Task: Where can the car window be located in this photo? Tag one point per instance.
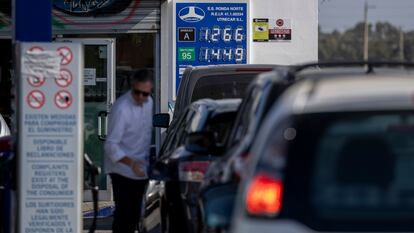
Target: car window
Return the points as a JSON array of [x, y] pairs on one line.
[[364, 168], [246, 114], [220, 125], [347, 171], [194, 123], [183, 128], [197, 121], [240, 124], [175, 132], [257, 104], [272, 95], [221, 86], [166, 146]]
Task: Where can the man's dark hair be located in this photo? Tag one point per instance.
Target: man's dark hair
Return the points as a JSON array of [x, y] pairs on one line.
[[142, 76]]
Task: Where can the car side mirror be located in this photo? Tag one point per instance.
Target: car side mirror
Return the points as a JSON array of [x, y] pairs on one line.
[[161, 120], [200, 142]]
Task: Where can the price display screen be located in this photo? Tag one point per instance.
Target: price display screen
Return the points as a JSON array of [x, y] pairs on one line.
[[209, 33]]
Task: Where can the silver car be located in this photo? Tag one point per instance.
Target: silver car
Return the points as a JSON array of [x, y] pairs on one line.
[[336, 154], [4, 129]]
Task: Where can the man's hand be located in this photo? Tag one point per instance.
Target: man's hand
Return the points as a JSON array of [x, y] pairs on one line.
[[137, 168]]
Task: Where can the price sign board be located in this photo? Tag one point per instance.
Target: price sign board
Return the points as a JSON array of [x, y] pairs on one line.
[[208, 33]]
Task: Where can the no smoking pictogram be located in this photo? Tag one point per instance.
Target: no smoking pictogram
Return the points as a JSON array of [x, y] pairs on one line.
[[65, 78], [36, 49], [36, 81], [36, 99], [63, 99], [280, 22], [66, 55]]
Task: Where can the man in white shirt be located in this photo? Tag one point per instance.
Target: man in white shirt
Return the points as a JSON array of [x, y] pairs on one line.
[[127, 150]]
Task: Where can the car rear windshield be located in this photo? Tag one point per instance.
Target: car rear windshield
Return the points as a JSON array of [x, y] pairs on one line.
[[352, 172], [221, 125], [222, 86]]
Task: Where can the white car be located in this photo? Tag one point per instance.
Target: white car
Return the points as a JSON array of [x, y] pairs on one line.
[[4, 129], [336, 154]]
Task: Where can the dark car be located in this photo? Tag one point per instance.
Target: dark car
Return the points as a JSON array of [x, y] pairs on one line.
[[215, 82], [220, 184], [334, 154], [195, 139]]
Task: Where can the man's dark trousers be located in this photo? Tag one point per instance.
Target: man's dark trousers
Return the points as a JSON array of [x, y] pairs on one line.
[[128, 198]]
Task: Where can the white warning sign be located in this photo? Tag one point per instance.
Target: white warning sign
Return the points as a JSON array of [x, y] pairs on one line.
[[50, 137]]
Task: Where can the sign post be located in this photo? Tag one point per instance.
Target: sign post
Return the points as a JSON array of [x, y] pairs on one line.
[[32, 20], [50, 137]]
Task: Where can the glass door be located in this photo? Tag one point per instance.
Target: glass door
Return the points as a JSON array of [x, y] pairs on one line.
[[99, 84]]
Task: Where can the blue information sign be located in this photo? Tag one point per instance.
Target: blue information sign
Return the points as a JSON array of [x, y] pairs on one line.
[[210, 33]]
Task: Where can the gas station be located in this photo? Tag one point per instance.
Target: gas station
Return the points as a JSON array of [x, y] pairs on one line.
[[72, 61]]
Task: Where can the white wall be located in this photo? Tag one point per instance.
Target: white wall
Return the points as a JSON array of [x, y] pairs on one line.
[[302, 48], [304, 21]]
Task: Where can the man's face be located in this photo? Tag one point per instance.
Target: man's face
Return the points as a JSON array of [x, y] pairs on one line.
[[141, 91]]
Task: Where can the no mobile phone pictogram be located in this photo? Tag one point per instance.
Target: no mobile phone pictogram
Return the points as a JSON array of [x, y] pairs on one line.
[[63, 99], [65, 78], [66, 55], [36, 99], [36, 81]]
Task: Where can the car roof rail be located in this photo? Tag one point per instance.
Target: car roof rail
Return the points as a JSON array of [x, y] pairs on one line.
[[368, 64]]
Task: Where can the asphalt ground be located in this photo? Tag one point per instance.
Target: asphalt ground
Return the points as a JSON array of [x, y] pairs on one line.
[[104, 224]]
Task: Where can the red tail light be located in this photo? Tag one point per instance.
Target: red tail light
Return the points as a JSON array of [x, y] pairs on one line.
[[193, 171], [264, 196]]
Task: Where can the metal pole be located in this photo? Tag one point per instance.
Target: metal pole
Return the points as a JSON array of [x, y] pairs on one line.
[[401, 45], [366, 31], [157, 58]]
